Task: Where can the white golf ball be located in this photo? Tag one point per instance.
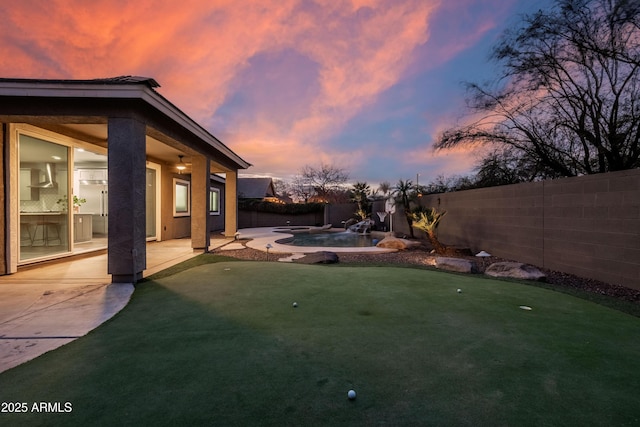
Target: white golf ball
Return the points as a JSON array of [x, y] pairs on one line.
[[459, 291], [295, 304], [351, 394]]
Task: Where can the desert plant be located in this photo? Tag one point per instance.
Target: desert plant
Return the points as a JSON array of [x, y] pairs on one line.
[[428, 220], [361, 215]]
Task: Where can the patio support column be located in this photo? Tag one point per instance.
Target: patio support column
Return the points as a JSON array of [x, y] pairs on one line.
[[127, 184], [200, 234], [231, 204]]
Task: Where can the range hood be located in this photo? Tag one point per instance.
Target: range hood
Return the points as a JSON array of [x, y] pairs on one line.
[[49, 177]]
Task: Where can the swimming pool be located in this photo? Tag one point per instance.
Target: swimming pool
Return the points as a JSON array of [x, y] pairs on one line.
[[345, 239]]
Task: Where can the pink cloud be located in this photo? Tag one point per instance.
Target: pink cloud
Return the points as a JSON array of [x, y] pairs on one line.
[[198, 51]]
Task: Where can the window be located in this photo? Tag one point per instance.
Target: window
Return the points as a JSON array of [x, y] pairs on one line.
[[214, 201], [181, 199]]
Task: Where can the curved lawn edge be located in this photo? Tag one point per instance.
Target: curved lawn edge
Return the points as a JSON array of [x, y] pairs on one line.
[[624, 306]]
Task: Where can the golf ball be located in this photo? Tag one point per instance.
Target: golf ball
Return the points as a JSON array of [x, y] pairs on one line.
[[351, 394], [295, 304], [459, 291]]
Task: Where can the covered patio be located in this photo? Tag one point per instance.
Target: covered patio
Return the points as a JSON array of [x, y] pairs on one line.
[[137, 132]]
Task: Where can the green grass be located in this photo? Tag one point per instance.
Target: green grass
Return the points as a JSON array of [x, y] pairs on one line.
[[221, 344]]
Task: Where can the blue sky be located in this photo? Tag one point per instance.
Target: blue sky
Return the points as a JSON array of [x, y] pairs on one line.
[[366, 85]]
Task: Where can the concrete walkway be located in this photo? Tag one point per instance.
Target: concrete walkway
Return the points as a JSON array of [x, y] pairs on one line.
[[47, 306]]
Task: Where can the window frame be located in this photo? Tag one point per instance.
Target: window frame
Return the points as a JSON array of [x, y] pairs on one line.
[[212, 191], [176, 184]]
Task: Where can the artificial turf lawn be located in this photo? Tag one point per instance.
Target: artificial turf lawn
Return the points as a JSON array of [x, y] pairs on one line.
[[221, 344]]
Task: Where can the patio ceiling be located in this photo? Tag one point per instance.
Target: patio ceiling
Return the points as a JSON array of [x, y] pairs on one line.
[[164, 152]]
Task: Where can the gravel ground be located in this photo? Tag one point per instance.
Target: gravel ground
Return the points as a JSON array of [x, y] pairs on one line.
[[421, 256]]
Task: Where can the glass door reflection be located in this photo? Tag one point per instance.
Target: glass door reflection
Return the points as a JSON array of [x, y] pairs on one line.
[[44, 198]]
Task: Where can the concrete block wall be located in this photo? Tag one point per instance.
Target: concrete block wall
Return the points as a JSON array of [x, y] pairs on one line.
[[592, 226], [251, 219], [334, 214], [588, 226]]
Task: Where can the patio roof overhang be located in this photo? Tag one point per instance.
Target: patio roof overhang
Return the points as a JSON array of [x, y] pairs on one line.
[[81, 108]]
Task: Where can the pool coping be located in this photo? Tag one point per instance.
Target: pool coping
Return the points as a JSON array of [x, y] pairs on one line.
[[260, 237]]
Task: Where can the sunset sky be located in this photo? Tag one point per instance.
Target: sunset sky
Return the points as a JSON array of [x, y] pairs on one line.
[[366, 85]]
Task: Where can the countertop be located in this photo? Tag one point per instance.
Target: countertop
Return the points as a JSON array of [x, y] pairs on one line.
[[42, 213]]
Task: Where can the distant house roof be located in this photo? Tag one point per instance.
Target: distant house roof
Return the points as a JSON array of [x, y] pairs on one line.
[[255, 188]]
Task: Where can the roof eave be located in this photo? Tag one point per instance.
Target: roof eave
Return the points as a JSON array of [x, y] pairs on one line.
[[109, 88]]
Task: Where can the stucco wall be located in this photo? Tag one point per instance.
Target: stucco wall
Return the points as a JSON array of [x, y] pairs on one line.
[[172, 227], [588, 226]]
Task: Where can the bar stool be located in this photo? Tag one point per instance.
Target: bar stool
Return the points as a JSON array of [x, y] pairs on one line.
[[35, 241], [48, 227], [26, 239]]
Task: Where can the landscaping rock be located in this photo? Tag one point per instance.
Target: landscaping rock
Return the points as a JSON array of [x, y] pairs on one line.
[[324, 257], [391, 242], [455, 264], [515, 270]]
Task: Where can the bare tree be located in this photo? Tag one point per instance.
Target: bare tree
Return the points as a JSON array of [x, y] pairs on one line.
[[301, 188], [282, 188], [568, 101], [326, 180]]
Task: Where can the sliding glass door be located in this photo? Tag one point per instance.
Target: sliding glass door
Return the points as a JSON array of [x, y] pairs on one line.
[[91, 214], [44, 198]]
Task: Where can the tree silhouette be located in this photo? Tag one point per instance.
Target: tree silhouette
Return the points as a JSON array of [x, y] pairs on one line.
[[568, 101]]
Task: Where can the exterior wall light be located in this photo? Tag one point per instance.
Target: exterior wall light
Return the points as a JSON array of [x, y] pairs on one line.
[[181, 166]]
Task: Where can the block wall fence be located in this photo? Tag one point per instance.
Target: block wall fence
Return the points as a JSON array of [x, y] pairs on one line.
[[588, 226], [333, 214]]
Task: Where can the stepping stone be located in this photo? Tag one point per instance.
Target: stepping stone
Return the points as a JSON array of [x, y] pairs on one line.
[[291, 258], [515, 270], [324, 257], [455, 264], [233, 247]]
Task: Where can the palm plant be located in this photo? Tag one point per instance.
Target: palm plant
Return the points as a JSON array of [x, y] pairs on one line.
[[385, 189], [361, 192], [403, 193], [428, 220]]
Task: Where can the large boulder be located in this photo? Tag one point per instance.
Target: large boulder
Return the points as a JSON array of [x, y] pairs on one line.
[[324, 257], [392, 242], [515, 270], [459, 265]]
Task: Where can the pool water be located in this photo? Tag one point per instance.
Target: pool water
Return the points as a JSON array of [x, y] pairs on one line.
[[344, 239]]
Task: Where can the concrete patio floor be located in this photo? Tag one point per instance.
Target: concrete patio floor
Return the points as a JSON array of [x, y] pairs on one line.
[[46, 306]]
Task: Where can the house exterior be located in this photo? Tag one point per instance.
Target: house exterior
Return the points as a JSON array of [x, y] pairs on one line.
[[257, 189], [106, 164]]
